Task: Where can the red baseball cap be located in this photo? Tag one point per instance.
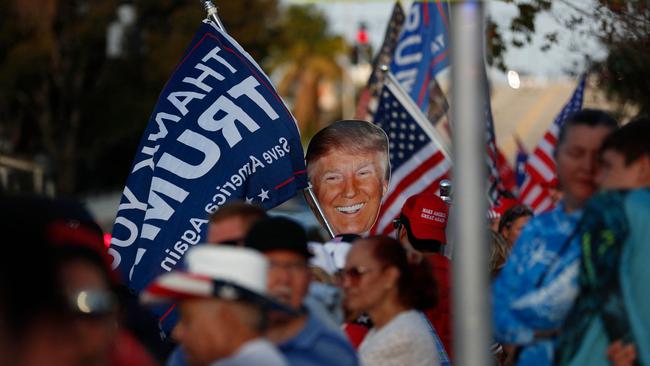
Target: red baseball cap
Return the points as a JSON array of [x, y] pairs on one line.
[[503, 205], [427, 215]]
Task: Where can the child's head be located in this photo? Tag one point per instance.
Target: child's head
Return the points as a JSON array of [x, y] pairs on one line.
[[625, 157]]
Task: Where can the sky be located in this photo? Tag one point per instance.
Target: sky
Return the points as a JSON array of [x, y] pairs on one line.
[[345, 16]]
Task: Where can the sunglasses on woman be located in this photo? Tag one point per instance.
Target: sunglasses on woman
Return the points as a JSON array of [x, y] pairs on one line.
[[354, 274]]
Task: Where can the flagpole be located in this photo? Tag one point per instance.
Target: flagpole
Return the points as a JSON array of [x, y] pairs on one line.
[[211, 9], [413, 109], [310, 196], [471, 305]]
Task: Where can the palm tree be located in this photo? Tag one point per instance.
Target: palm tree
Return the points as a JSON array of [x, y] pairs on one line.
[[306, 55]]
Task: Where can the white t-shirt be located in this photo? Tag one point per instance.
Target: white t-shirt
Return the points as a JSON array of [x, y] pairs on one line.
[[405, 340]]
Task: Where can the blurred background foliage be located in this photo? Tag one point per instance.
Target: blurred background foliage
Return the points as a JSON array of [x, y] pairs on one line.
[[621, 26], [70, 104], [81, 111]]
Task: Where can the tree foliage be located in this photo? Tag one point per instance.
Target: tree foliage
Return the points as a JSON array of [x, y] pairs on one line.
[[625, 31], [48, 66], [307, 53], [622, 28], [63, 98]]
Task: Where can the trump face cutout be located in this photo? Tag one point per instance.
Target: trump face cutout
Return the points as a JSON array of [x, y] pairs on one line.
[[348, 168]]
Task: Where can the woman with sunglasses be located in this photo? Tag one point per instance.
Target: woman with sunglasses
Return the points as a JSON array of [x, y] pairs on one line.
[[378, 279]]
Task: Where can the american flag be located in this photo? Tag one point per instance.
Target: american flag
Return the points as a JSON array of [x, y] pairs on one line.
[[422, 51], [418, 159], [494, 182], [540, 167], [506, 173], [520, 163]]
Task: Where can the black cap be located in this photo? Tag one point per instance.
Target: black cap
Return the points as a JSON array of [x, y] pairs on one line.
[[278, 233]]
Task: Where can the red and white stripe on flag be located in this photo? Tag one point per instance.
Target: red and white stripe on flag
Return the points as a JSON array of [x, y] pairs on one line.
[[535, 195], [540, 167], [423, 172], [418, 159], [506, 173], [540, 170]]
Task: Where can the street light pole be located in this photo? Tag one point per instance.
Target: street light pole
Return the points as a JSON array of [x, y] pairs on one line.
[[471, 311]]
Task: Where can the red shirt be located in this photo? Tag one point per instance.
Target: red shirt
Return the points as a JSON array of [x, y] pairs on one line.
[[440, 316], [356, 333]]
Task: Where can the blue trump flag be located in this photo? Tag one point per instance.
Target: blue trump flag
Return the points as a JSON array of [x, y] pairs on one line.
[[422, 49], [219, 132]]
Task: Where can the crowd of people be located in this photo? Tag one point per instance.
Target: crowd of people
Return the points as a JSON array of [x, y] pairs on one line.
[[567, 285], [541, 295]]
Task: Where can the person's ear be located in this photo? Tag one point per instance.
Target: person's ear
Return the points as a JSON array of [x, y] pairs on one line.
[[384, 186], [644, 170], [392, 275]]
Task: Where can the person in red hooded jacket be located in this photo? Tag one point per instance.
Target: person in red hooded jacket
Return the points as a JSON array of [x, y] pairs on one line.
[[421, 229]]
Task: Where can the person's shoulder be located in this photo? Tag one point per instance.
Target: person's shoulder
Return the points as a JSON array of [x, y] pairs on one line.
[[256, 352], [408, 332], [407, 324], [636, 207], [441, 268], [540, 220], [327, 345], [638, 199], [534, 229], [535, 235], [541, 224], [323, 333]]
